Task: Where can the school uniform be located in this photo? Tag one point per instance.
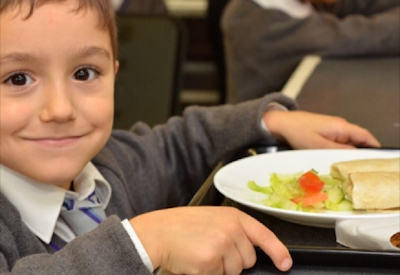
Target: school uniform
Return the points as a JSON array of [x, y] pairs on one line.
[[136, 172]]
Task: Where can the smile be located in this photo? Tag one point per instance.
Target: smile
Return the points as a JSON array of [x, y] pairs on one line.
[[56, 141]]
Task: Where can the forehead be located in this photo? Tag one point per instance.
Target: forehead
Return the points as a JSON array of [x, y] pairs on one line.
[[26, 8], [24, 11], [54, 24]]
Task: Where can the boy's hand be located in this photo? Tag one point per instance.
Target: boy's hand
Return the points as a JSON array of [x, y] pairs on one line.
[[303, 130], [206, 240]]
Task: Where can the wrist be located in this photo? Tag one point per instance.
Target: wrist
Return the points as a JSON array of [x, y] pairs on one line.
[[272, 121], [138, 244], [148, 240]]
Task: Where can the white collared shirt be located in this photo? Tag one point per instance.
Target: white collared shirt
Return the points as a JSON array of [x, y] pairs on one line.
[[40, 211], [293, 8]]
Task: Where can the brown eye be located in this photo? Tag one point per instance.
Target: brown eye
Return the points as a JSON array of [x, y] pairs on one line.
[[19, 79], [85, 74]]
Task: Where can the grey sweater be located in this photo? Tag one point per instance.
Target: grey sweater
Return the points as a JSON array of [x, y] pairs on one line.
[[264, 46], [148, 169]]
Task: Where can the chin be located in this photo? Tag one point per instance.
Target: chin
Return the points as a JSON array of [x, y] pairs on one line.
[[59, 175]]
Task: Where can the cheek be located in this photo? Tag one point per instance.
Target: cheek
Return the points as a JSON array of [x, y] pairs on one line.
[[100, 111], [14, 116], [100, 115]]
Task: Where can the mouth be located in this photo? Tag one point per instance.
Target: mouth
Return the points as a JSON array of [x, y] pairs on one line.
[[56, 141]]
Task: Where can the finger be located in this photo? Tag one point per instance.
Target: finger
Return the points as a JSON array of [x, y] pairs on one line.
[[315, 141], [219, 255], [246, 250], [207, 263], [242, 244], [261, 236], [326, 143], [232, 262], [349, 139], [342, 138], [238, 251], [349, 133], [361, 136], [215, 270]]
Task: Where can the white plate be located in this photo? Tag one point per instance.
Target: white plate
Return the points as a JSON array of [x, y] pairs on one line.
[[231, 180]]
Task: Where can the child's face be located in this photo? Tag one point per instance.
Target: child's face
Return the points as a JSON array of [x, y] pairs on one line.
[[56, 95]]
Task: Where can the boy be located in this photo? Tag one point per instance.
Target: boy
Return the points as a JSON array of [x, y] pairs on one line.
[[57, 68]]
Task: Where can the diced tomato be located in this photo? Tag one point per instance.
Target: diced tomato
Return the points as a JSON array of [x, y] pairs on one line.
[[310, 182], [311, 199]]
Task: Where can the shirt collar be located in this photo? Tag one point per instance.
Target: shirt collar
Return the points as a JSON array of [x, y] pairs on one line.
[[39, 204]]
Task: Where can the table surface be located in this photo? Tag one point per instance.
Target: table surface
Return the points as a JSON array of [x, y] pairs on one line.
[[314, 250], [365, 91]]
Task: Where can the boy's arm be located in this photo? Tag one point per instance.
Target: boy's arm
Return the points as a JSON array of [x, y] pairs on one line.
[[171, 161], [105, 250]]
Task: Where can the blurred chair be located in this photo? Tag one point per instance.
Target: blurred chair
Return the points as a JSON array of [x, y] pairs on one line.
[[143, 7], [214, 14], [151, 53]]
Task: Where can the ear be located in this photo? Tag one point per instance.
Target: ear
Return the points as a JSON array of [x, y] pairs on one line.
[[116, 67]]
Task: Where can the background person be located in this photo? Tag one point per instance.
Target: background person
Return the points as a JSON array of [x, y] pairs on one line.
[[140, 7], [266, 39]]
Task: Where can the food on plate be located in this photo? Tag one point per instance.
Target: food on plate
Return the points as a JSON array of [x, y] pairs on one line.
[[370, 183], [341, 170], [303, 192], [374, 190], [395, 240], [367, 184]]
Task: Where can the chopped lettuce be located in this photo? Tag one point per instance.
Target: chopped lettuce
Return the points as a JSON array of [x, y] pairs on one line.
[[285, 187]]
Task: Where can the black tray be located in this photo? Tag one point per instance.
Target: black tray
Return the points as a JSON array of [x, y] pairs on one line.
[[314, 250]]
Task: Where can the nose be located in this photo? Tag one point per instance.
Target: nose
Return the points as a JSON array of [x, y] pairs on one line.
[[58, 105]]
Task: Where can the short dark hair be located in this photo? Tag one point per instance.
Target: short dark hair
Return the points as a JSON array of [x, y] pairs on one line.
[[103, 8]]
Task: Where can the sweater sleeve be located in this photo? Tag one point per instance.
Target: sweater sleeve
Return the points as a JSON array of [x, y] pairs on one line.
[[169, 162], [105, 250], [152, 169]]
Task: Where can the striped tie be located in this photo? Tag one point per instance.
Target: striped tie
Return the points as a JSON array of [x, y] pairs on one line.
[[82, 216]]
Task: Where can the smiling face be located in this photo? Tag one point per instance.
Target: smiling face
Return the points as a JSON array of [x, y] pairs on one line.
[[56, 96]]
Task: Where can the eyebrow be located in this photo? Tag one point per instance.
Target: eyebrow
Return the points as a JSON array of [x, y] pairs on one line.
[[94, 50], [83, 52], [17, 57]]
